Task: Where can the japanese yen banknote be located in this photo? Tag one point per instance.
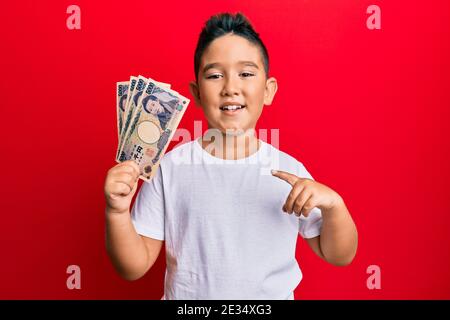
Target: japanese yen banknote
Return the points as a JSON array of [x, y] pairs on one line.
[[148, 113]]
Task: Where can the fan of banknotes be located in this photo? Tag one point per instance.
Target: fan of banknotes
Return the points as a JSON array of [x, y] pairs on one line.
[[148, 113]]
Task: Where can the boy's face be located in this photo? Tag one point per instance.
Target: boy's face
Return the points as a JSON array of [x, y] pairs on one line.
[[232, 74]]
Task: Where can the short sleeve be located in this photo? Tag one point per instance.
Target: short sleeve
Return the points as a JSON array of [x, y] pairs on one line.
[[311, 226], [147, 214]]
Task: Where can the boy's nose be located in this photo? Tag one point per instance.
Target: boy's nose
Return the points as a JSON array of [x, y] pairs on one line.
[[230, 88]]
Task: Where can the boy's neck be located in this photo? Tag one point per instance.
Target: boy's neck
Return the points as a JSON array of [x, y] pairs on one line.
[[231, 147]]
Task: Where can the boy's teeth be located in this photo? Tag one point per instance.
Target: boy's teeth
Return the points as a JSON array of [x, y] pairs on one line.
[[231, 107]]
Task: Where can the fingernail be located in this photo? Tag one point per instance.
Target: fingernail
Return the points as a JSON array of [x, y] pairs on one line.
[[273, 171]]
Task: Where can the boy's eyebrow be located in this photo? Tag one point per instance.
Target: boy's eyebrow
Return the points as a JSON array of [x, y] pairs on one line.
[[249, 63], [210, 66], [216, 64]]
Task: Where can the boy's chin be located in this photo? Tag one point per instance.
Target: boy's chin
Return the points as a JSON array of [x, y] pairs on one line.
[[229, 129], [235, 132]]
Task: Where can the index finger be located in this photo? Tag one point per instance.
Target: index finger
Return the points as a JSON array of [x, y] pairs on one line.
[[286, 176]]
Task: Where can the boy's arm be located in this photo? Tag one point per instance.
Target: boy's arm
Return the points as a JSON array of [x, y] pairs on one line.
[[131, 254], [338, 240]]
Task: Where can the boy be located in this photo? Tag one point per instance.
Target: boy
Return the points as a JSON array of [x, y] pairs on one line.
[[223, 221]]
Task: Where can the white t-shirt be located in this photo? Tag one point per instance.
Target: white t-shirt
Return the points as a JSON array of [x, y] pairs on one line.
[[226, 235]]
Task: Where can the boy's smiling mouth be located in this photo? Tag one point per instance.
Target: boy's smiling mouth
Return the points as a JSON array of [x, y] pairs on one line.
[[231, 107]]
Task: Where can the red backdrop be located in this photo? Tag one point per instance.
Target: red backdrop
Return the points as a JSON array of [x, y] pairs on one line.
[[366, 111]]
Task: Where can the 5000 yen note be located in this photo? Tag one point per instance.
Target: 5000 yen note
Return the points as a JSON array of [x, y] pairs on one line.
[[121, 99], [133, 100], [153, 126]]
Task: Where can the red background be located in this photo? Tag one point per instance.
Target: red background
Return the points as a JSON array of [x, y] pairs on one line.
[[366, 111]]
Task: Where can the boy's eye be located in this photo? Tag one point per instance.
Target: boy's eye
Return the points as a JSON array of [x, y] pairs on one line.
[[247, 74], [213, 76]]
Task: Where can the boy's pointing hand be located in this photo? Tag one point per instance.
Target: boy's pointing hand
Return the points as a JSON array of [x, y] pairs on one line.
[[307, 194]]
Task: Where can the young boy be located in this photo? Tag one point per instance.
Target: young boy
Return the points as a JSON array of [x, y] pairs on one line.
[[230, 229]]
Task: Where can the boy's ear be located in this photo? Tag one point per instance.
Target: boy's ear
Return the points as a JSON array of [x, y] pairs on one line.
[[271, 89], [193, 88]]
